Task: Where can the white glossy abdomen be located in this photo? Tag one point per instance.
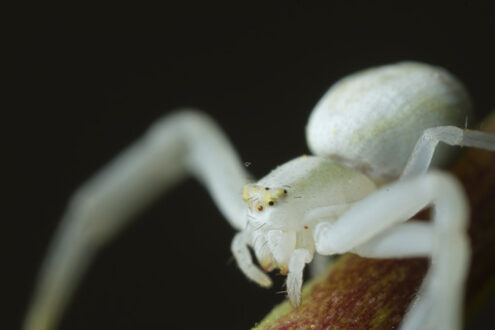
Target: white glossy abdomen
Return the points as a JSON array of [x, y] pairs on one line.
[[371, 120]]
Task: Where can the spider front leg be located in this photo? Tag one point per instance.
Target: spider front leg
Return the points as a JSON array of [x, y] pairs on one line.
[[182, 144], [374, 227], [243, 257]]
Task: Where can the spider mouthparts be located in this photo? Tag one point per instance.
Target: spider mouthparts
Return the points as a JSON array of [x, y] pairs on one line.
[[266, 265]]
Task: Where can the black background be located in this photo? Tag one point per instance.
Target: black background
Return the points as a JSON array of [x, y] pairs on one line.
[[83, 82]]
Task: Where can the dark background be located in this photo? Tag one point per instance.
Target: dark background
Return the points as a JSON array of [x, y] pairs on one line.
[[85, 82]]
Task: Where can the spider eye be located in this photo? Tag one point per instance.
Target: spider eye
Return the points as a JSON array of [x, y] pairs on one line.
[[267, 188], [271, 203], [285, 191]]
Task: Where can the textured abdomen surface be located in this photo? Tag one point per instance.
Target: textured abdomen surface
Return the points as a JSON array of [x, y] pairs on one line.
[[371, 120]]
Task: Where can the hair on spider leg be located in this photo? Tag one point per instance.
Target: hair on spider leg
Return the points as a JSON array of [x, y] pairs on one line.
[[246, 226], [264, 244], [256, 240], [260, 226], [262, 247], [248, 222]]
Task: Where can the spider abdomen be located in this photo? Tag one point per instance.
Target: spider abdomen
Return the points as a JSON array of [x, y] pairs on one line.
[[371, 120]]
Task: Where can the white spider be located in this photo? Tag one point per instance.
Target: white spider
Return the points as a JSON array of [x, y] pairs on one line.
[[363, 133]]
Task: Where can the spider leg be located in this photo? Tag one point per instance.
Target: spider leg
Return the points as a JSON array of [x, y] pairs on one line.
[[186, 143], [298, 260], [374, 227], [320, 263], [405, 240], [243, 257], [420, 159]]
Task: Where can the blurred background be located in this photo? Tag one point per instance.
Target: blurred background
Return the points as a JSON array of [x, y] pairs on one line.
[[84, 82]]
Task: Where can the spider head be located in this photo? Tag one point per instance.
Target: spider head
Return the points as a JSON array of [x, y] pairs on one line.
[[269, 236], [260, 198]]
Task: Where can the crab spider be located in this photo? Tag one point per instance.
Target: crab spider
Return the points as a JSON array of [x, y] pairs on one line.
[[370, 129]]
